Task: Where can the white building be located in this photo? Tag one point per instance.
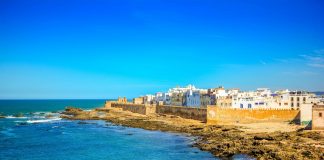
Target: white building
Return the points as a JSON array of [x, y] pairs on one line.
[[216, 93], [192, 98], [233, 91], [149, 99], [294, 99], [165, 98], [159, 97], [263, 92], [186, 96], [261, 98]]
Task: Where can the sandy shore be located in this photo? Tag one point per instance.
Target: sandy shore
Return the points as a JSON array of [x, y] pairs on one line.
[[260, 140]]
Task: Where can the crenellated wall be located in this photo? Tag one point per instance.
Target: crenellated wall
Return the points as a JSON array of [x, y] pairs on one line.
[[217, 115], [184, 112]]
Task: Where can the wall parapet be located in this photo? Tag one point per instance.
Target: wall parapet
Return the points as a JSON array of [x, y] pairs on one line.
[[266, 109]]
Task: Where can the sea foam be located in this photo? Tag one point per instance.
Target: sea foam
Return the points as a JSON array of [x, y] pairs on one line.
[[43, 120], [13, 117]]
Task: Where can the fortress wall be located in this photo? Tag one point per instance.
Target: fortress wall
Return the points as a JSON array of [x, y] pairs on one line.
[[184, 112], [217, 115], [135, 108], [213, 114]]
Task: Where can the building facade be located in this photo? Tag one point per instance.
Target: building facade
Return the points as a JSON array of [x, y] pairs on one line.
[[294, 99], [225, 102], [191, 98], [138, 100], [177, 99], [149, 99], [205, 100], [318, 117], [163, 98]]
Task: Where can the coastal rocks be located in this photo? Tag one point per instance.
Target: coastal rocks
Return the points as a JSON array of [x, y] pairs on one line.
[[49, 116], [263, 137], [77, 113], [72, 111]]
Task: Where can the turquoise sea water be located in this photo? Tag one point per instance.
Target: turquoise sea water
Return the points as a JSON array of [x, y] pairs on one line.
[[37, 136], [24, 106]]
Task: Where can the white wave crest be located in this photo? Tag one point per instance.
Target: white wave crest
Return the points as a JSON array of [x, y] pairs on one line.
[[43, 120], [13, 117]]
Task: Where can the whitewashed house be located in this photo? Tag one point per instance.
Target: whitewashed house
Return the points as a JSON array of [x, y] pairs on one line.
[[163, 98], [192, 98], [149, 99]]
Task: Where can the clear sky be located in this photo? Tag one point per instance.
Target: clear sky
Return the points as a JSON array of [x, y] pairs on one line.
[[107, 48]]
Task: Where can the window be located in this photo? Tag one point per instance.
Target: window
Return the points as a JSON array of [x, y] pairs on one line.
[[241, 105], [279, 104], [297, 104], [304, 99], [298, 99], [320, 114], [292, 99], [292, 104], [249, 106]]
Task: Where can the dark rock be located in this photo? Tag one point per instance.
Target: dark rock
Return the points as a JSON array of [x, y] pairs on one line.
[[263, 137], [307, 154]]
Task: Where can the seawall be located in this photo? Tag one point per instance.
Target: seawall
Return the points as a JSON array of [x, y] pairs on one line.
[[184, 112], [217, 115], [213, 114], [135, 108]]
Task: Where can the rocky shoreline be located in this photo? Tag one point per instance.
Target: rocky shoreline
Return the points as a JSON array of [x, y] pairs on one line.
[[223, 141]]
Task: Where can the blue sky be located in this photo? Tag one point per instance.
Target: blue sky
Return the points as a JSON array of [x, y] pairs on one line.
[[103, 49]]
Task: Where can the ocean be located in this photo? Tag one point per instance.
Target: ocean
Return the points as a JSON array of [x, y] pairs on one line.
[[38, 133], [10, 107]]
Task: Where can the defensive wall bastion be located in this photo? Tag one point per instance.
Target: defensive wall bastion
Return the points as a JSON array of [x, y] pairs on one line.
[[135, 108]]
